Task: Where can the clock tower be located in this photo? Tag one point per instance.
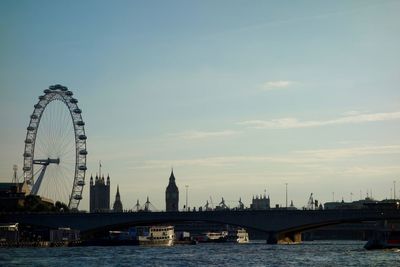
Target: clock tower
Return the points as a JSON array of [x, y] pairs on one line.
[[172, 194]]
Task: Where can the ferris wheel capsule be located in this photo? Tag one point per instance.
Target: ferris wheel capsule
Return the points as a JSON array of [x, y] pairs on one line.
[[83, 168]]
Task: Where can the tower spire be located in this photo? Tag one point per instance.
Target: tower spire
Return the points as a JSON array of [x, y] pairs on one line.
[[99, 168], [117, 207]]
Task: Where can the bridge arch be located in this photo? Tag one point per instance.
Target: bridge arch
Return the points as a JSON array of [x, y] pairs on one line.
[[274, 222]]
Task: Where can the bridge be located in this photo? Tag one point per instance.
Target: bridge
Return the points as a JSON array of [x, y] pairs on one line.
[[279, 225]]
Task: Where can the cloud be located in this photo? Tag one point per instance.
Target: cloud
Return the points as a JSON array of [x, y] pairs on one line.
[[290, 123], [371, 170], [272, 85], [190, 135], [305, 158], [342, 153]]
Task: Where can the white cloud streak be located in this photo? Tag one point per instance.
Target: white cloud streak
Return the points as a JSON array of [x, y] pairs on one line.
[[345, 153], [273, 85], [305, 158], [371, 170], [190, 135], [290, 123]]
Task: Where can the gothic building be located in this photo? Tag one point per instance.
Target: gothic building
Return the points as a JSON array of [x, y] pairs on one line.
[[117, 207], [172, 194], [99, 194], [260, 203]]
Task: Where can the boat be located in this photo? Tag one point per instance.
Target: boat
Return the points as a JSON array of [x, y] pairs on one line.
[[140, 235], [213, 237], [239, 236], [184, 238], [384, 239], [153, 235]]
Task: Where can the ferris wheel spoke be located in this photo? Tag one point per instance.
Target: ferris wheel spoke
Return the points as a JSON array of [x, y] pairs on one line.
[[63, 147], [53, 186], [65, 137], [66, 183]]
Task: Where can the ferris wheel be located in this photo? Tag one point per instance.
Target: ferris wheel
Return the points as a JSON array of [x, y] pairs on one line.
[[55, 148]]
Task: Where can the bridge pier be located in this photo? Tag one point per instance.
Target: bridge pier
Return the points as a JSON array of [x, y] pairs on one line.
[[284, 238]]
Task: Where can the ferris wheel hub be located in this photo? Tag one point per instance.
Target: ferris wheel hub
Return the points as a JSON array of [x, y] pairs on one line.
[[46, 162]]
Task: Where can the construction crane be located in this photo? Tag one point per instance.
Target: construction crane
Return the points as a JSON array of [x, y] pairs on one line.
[[207, 206], [212, 204], [222, 205], [310, 204], [137, 206], [241, 205]]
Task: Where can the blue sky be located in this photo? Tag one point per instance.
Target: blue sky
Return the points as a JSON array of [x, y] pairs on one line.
[[238, 96]]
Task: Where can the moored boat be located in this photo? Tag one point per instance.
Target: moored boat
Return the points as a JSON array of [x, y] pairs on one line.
[[213, 237], [140, 235], [243, 236], [153, 235], [239, 236], [384, 239]]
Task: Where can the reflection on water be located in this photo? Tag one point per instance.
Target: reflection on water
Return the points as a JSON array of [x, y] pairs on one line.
[[319, 253]]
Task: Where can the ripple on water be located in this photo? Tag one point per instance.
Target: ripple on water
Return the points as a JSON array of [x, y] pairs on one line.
[[324, 253]]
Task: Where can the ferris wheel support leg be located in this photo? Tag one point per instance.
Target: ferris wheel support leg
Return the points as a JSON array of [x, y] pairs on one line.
[[36, 186]]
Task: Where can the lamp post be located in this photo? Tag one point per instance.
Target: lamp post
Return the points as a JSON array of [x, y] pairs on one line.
[[186, 186], [286, 184]]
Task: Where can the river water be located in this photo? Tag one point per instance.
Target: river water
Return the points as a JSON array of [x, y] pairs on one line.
[[318, 253]]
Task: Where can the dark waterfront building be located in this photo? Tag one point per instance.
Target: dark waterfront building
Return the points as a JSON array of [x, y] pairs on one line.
[[117, 207], [12, 196], [172, 194], [99, 194]]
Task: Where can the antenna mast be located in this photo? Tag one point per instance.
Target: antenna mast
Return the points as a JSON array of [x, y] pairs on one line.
[[15, 177]]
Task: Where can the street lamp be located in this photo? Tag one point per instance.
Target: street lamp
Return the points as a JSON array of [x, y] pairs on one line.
[[286, 184], [186, 186]]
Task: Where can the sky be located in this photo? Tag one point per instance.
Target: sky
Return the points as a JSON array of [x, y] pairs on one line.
[[239, 97]]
